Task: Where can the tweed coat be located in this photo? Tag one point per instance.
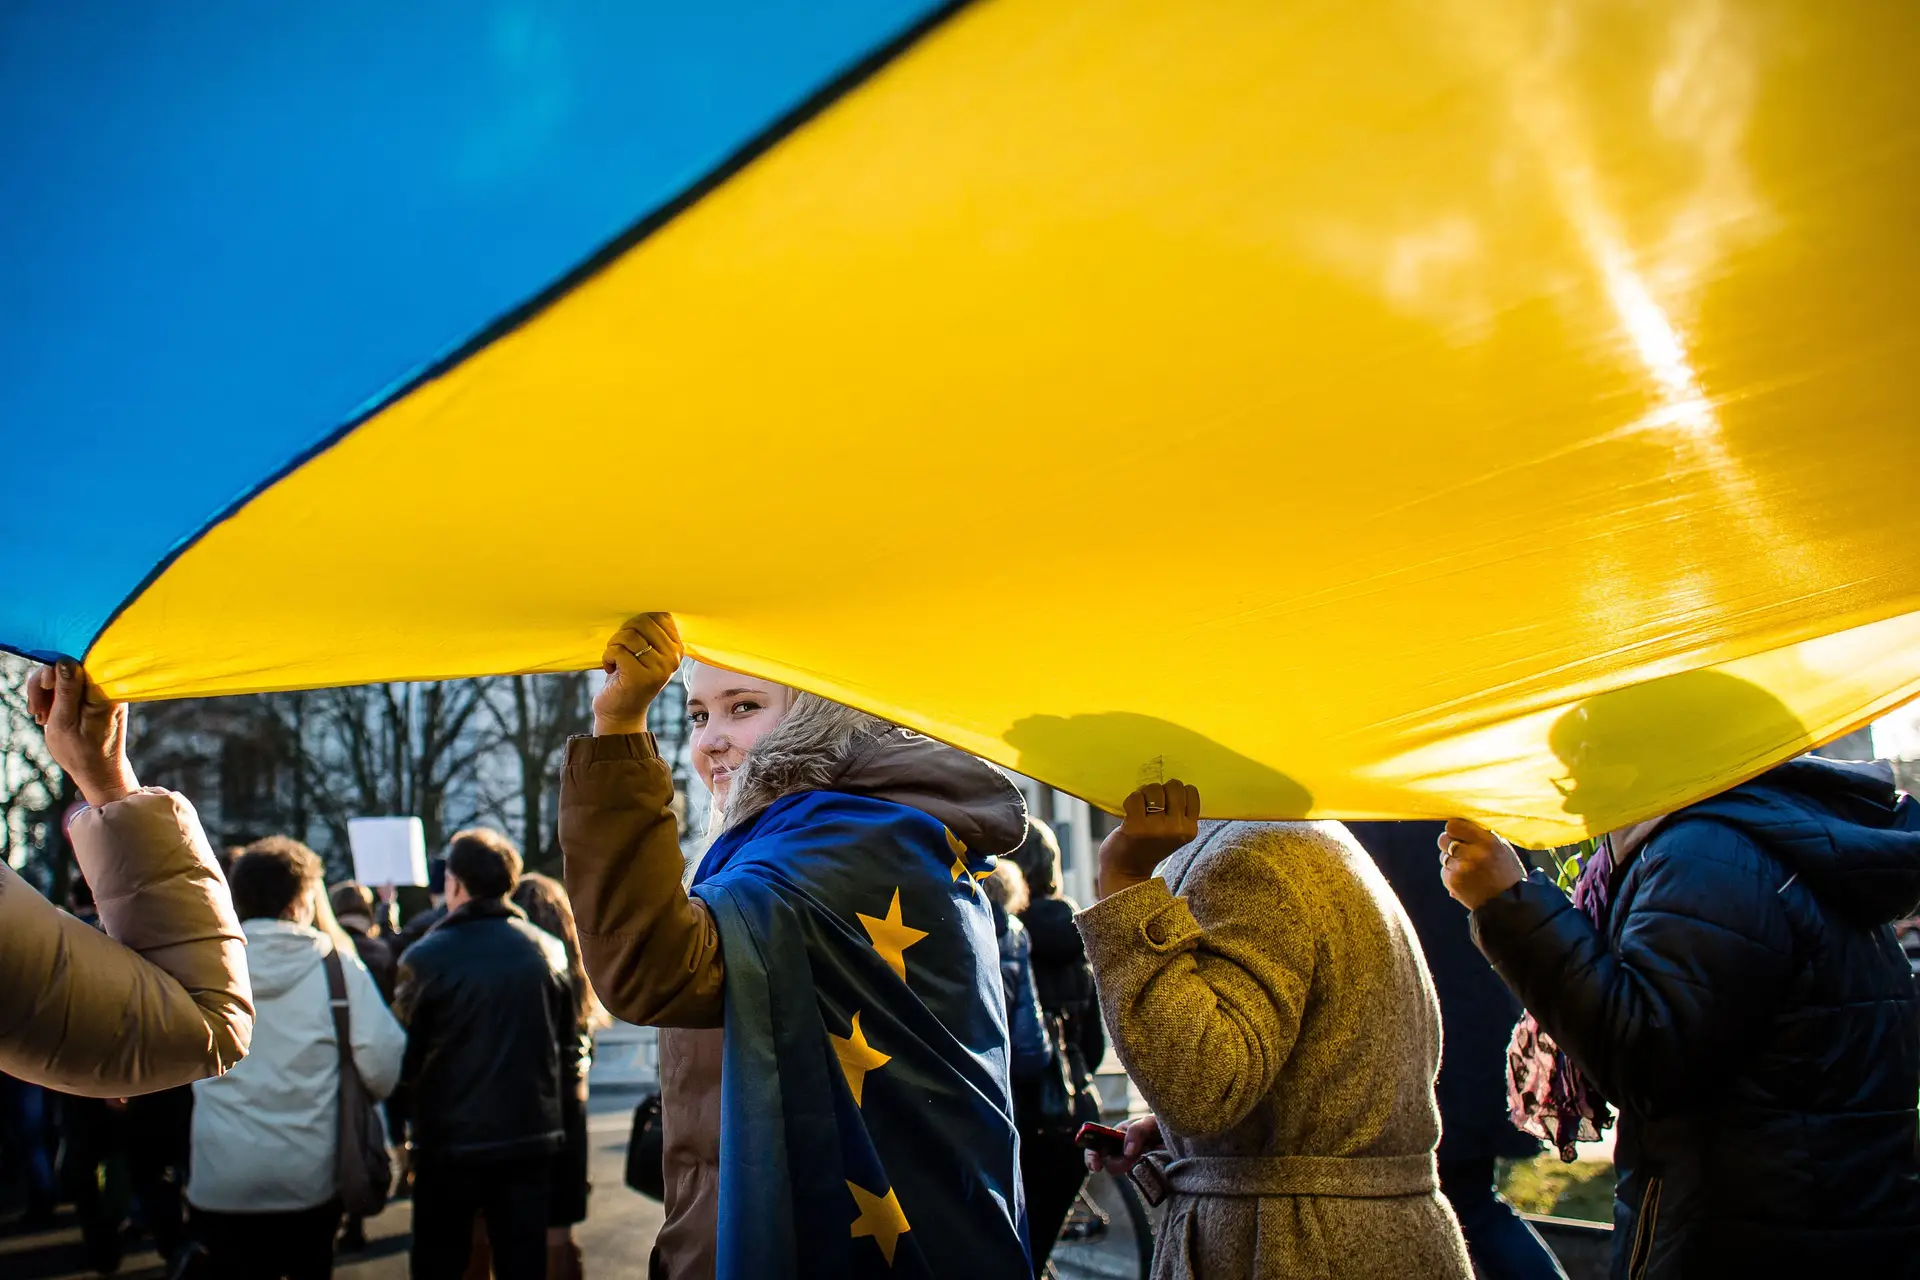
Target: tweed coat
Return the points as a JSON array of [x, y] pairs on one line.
[[1279, 1018]]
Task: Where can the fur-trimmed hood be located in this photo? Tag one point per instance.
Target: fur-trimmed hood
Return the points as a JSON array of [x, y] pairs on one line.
[[823, 746]]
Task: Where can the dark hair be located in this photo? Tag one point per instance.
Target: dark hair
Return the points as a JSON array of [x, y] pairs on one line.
[[269, 875], [351, 898], [545, 901], [1038, 858], [484, 861]]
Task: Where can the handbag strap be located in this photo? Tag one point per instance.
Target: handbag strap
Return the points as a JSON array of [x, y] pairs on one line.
[[342, 1016]]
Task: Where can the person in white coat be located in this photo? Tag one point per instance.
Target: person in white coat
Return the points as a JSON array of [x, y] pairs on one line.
[[262, 1193]]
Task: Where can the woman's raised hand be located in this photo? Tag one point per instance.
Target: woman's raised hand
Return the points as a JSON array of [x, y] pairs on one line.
[[1160, 817], [640, 659], [86, 732], [1476, 864]]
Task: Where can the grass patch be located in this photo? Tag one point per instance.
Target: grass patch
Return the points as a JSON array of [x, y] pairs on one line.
[[1546, 1184]]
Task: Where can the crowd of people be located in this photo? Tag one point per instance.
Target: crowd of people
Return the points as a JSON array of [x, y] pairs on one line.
[[238, 973], [880, 1019]]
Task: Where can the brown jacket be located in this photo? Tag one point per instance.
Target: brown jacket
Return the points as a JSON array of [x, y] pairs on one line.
[[654, 958], [653, 952], [1279, 1019], [159, 999]]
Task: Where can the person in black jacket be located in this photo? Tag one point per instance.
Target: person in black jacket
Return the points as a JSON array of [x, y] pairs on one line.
[[1740, 998], [1477, 1014], [489, 1011], [547, 905], [1050, 1165]]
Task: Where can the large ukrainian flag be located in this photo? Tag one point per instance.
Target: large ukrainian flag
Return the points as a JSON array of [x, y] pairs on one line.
[[1349, 406]]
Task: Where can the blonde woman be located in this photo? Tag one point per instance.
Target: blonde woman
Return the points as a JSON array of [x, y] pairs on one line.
[[834, 1055]]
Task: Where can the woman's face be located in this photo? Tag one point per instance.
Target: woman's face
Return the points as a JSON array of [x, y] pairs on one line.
[[729, 712]]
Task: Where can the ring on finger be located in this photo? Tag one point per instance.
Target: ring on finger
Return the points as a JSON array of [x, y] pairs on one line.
[[1153, 807]]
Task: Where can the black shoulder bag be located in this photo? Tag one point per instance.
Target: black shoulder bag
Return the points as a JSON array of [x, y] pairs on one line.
[[646, 1151], [364, 1171]]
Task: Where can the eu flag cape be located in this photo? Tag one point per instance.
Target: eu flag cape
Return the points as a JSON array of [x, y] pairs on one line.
[[866, 1119]]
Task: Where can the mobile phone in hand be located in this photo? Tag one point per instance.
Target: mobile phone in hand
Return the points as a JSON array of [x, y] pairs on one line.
[[1104, 1139]]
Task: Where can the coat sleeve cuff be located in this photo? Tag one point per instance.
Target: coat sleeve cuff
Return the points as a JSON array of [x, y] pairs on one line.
[[1142, 916], [587, 749], [1503, 921]]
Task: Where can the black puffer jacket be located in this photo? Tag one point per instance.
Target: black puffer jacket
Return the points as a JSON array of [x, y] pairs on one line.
[[1477, 1011], [1063, 978], [489, 1013], [1753, 1019]]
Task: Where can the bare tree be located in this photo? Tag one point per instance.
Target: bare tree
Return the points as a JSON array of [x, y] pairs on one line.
[[667, 721], [28, 777], [304, 764], [533, 717], [32, 788], [239, 761], [394, 749]]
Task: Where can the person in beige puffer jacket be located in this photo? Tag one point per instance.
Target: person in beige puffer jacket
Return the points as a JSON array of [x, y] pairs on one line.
[[161, 997]]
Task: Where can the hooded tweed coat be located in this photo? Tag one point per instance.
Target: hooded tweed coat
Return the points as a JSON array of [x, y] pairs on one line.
[[1279, 1019]]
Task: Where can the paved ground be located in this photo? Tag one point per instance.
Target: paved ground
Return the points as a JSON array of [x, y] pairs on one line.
[[616, 1236], [621, 1225]]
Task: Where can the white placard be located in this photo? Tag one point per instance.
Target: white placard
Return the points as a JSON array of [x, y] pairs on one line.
[[388, 850]]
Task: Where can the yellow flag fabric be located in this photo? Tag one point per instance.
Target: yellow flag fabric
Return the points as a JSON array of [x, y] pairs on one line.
[[1371, 409]]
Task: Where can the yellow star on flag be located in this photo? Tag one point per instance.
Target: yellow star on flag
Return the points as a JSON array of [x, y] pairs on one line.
[[881, 1218], [890, 937], [857, 1057], [959, 867]]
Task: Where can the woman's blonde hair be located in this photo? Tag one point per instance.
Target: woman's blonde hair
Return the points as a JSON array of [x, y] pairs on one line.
[[807, 751], [1007, 886], [325, 921]]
